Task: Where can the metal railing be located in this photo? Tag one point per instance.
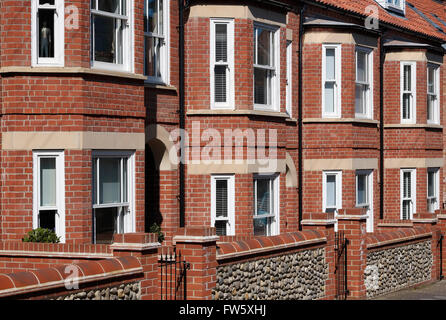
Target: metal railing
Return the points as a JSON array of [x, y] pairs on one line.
[[173, 274]]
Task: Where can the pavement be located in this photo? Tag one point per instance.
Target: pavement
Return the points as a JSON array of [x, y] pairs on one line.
[[433, 291]]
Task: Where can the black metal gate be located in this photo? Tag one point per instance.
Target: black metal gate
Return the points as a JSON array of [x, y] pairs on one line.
[[440, 260], [341, 266], [173, 275]]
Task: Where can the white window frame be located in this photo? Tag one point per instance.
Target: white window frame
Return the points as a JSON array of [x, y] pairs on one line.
[[60, 190], [229, 104], [413, 93], [369, 83], [59, 36], [274, 69], [436, 93], [230, 219], [337, 81], [369, 194], [289, 78], [129, 218], [128, 40], [390, 4], [274, 205], [413, 191], [338, 175], [165, 48], [436, 197]]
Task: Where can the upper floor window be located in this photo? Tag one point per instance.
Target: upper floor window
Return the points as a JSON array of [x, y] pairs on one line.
[[156, 39], [266, 67], [289, 78], [408, 92], [331, 81], [47, 32], [222, 63], [364, 80], [398, 6], [49, 191], [433, 97], [110, 34]]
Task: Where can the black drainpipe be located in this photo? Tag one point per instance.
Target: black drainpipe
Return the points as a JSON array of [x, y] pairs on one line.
[[300, 107], [381, 126], [182, 113]]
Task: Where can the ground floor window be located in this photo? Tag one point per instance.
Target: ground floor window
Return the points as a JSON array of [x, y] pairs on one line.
[[222, 207], [49, 191], [408, 193], [433, 182], [112, 195], [266, 205]]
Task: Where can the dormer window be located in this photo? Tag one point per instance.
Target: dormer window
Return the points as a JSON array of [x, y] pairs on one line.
[[398, 6]]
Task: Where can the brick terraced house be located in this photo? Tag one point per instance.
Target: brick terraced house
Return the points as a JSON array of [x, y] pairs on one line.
[[259, 118]]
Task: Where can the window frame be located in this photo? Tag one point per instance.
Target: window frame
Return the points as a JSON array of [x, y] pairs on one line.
[[129, 219], [413, 92], [229, 104], [59, 35], [165, 48], [338, 196], [127, 42], [368, 99], [436, 196], [436, 108], [413, 191], [60, 190], [337, 81], [369, 194], [274, 227], [274, 69], [230, 227], [289, 78]]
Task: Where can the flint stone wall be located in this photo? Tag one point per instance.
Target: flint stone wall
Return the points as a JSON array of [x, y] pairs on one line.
[[393, 269], [297, 276], [130, 291]]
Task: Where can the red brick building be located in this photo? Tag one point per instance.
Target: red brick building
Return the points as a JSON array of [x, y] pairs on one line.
[[289, 110]]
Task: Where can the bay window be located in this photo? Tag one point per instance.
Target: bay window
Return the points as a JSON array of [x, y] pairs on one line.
[[408, 193], [156, 39], [111, 34], [364, 78], [223, 204], [331, 81], [266, 205], [112, 195], [47, 32], [266, 67], [49, 191]]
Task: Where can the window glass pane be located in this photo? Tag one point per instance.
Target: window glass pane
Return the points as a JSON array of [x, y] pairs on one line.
[[407, 78], [362, 189], [430, 106], [111, 6], [430, 184], [331, 191], [406, 105], [46, 2], [108, 42], [221, 228], [221, 42], [329, 97], [47, 182], [261, 227], [46, 33], [263, 197], [361, 67], [125, 180], [360, 99], [330, 64], [47, 219], [160, 17], [221, 198], [153, 16], [407, 184], [220, 83], [109, 180], [406, 209], [431, 80], [153, 49], [106, 224], [261, 86], [264, 47]]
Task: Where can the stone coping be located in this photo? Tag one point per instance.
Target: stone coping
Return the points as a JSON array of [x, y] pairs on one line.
[[397, 236], [269, 244], [59, 276]]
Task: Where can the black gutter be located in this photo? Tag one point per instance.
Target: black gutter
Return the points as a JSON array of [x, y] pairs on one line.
[[182, 113], [299, 119], [381, 126]]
